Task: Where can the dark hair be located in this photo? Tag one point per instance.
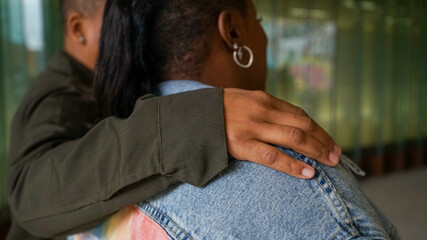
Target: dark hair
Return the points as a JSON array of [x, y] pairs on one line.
[[144, 42]]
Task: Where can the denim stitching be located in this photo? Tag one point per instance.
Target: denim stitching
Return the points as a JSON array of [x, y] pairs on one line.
[[321, 175], [161, 223], [379, 231], [166, 225], [338, 198], [336, 234], [335, 208], [154, 211], [337, 201], [344, 237], [346, 212]]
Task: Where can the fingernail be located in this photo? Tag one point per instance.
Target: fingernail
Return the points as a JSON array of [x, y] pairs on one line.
[[308, 173], [337, 150], [333, 158]]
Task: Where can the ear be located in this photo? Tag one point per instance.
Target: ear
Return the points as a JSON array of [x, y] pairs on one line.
[[75, 29], [230, 25]]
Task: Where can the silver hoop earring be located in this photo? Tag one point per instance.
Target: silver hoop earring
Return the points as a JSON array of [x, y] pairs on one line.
[[238, 55], [82, 39]]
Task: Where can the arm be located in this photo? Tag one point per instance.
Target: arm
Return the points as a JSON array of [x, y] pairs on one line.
[[61, 178]]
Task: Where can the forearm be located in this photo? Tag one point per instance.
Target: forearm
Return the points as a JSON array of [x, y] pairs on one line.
[[62, 186]]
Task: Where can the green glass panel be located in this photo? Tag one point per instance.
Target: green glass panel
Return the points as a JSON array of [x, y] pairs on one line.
[[357, 67]]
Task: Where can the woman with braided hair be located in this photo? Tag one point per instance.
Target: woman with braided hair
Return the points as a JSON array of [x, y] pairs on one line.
[[174, 46]]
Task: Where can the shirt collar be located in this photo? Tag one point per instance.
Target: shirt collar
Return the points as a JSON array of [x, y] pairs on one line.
[[179, 86]]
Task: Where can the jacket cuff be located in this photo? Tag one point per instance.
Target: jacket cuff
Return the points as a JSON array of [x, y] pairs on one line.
[[192, 132]]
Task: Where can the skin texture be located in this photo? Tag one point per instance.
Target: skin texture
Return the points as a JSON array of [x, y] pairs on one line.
[[253, 119], [81, 38], [220, 69]]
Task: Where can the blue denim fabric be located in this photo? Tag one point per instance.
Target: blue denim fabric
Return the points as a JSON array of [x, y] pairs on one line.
[[249, 201]]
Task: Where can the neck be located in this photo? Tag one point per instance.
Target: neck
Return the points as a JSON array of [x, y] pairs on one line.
[[220, 71], [77, 53]]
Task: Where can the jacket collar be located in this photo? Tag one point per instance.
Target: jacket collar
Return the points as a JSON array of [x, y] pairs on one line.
[[65, 64]]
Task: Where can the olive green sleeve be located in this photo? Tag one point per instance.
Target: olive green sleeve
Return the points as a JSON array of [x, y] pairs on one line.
[[58, 184]]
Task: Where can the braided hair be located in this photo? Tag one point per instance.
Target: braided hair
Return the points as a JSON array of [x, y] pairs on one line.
[[143, 42]]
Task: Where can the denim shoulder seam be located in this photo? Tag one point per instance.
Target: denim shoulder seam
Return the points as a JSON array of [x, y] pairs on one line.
[[336, 201]]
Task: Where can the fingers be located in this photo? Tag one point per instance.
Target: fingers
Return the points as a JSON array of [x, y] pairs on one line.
[[272, 157], [306, 124], [255, 120], [297, 139], [281, 105], [276, 111]]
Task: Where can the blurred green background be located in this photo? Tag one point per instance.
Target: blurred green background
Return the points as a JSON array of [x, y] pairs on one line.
[[357, 67], [30, 32]]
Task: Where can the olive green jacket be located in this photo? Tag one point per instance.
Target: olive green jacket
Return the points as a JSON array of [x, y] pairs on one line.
[[67, 173]]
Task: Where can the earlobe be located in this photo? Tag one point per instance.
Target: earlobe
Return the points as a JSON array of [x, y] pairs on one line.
[[82, 39], [75, 28], [229, 29]]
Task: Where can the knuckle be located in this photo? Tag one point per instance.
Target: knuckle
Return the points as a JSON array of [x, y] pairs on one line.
[[330, 141], [270, 157], [260, 94], [301, 111], [259, 108], [308, 123], [292, 167], [237, 142], [319, 154], [240, 150], [296, 135]]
